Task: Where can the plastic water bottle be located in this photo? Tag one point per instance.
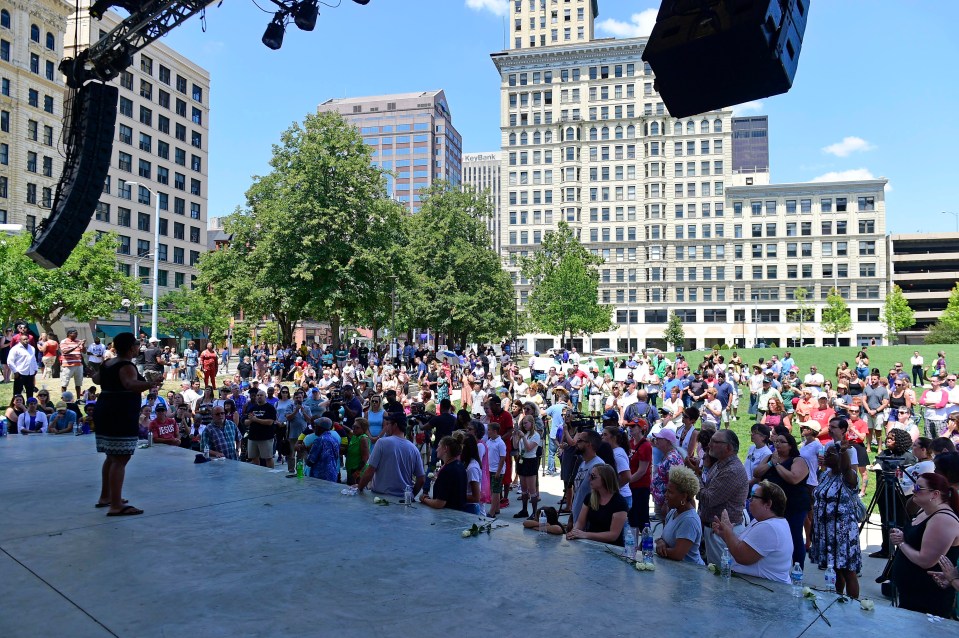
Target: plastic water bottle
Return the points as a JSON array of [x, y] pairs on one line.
[[206, 452], [830, 575], [150, 438], [299, 468], [408, 495], [542, 522], [726, 564], [795, 576], [647, 546], [629, 543]]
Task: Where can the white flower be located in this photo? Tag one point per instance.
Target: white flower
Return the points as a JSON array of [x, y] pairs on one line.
[[867, 605], [432, 475], [645, 567], [712, 568], [808, 593], [467, 533]]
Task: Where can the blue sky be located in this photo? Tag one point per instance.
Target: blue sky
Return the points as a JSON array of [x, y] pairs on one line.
[[875, 94]]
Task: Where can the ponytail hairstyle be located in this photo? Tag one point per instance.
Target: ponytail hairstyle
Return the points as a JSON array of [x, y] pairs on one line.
[[941, 484]]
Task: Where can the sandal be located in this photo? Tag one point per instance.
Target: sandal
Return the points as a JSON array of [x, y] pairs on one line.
[[129, 510], [100, 505]]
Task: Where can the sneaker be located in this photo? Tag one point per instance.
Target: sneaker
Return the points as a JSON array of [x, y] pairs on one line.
[[521, 514], [503, 502]]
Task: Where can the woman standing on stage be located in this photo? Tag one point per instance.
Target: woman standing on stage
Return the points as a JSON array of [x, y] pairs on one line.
[[116, 413]]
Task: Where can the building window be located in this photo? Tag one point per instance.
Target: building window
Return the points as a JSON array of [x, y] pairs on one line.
[[181, 84], [123, 219], [143, 222], [124, 247], [179, 206], [195, 212], [143, 247], [198, 94], [144, 169], [146, 116], [164, 75], [146, 65], [178, 230], [103, 212], [125, 162], [197, 116], [4, 19], [126, 106], [4, 50]]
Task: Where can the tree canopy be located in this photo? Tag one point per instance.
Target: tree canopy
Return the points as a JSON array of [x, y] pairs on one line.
[[315, 236], [835, 316], [193, 311], [565, 283], [454, 281], [896, 314], [87, 286]]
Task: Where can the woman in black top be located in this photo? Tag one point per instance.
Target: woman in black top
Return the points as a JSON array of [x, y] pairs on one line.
[[449, 490], [934, 533], [116, 415], [789, 471], [604, 515]]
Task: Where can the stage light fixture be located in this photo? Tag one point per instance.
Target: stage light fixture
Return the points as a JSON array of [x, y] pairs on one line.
[[273, 36], [304, 15]]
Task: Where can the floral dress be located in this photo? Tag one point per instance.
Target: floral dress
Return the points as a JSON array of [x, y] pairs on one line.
[[834, 525], [442, 388], [661, 478]]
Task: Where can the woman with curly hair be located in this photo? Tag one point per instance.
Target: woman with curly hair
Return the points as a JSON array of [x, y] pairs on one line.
[[898, 446], [683, 531]]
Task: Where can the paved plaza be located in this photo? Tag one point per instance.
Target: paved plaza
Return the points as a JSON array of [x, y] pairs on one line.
[[226, 548]]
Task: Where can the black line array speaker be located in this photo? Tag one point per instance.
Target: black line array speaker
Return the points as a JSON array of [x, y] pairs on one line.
[[89, 135], [711, 54]]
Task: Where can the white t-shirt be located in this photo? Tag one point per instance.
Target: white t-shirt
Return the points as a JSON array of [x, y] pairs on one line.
[[497, 450], [474, 473], [534, 438], [95, 352], [772, 540], [673, 406], [816, 379], [810, 453], [622, 465], [754, 458]]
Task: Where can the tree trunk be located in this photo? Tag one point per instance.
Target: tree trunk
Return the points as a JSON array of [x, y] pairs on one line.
[[335, 329], [375, 327]]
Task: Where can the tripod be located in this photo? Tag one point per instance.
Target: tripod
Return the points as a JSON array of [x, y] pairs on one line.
[[892, 510]]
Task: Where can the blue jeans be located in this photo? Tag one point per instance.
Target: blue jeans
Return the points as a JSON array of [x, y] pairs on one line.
[[753, 403], [551, 460], [796, 520]]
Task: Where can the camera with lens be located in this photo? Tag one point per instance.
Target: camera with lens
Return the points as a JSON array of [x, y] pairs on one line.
[[335, 396]]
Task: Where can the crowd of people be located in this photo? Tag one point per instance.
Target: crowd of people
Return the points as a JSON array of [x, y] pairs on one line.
[[654, 448]]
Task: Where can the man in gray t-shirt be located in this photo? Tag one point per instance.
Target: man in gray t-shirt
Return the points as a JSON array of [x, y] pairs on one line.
[[877, 400], [395, 463]]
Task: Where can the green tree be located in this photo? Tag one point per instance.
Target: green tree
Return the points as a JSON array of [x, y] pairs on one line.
[[835, 316], [896, 314], [454, 281], [674, 333], [315, 236], [942, 333], [194, 311], [565, 292], [950, 316], [86, 287]]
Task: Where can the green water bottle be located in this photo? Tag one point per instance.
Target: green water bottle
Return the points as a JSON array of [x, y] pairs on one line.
[[299, 468]]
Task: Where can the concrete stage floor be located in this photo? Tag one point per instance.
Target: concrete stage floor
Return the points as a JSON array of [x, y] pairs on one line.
[[227, 549]]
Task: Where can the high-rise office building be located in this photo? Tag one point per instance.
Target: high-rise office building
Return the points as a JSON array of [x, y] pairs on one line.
[[751, 144], [588, 141], [540, 23], [481, 171], [412, 135], [31, 108], [161, 144]]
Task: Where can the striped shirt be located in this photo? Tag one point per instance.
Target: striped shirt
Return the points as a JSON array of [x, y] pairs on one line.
[[71, 353]]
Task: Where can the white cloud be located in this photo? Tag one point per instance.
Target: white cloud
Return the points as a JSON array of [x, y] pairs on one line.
[[639, 25], [753, 106], [498, 7], [848, 146], [850, 175]]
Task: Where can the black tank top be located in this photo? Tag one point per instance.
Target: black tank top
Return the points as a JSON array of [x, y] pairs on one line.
[[897, 402], [917, 591]]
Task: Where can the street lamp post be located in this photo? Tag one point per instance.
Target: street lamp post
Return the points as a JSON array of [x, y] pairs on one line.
[[154, 318]]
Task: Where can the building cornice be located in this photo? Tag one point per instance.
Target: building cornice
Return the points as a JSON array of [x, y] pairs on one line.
[[609, 50], [806, 188]]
